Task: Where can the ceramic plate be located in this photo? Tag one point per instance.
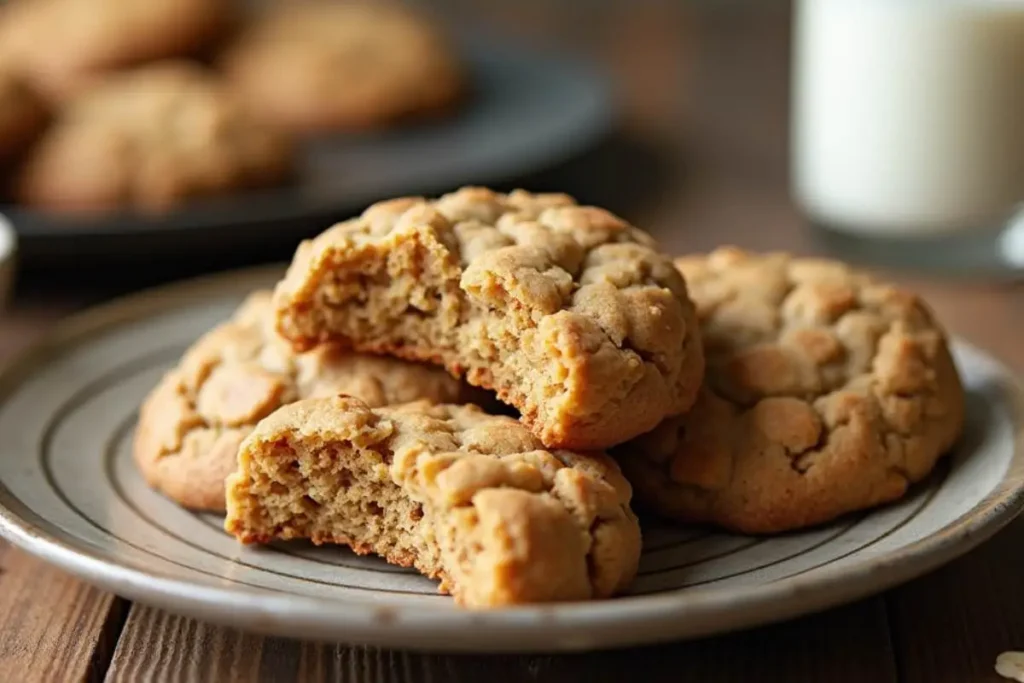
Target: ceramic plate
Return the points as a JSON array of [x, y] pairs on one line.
[[70, 494], [529, 109]]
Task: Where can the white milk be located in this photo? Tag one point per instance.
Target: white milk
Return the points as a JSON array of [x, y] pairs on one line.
[[908, 115]]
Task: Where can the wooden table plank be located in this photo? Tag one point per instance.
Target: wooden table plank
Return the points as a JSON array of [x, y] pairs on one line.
[[848, 644], [157, 646], [52, 626], [949, 626]]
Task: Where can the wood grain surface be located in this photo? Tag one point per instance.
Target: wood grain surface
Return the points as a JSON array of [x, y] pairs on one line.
[[53, 627], [700, 160], [845, 645]]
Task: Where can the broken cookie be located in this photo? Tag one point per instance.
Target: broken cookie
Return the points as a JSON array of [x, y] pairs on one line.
[[472, 499], [570, 314]]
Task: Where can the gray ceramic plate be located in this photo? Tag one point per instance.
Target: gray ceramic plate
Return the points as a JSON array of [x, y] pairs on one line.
[[529, 109], [69, 494]]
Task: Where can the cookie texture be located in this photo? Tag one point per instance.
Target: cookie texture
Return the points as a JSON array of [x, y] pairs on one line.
[[313, 65], [23, 116], [149, 139], [465, 497], [568, 312], [826, 392], [66, 46], [191, 424]]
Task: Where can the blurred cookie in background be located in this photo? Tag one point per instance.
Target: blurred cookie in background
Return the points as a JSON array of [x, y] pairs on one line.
[[150, 138], [315, 65], [23, 117], [64, 45]]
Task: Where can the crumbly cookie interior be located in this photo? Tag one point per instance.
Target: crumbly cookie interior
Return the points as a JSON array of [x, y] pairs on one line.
[[332, 493], [407, 301]]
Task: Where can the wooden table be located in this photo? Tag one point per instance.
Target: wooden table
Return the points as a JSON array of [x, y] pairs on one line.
[[701, 160]]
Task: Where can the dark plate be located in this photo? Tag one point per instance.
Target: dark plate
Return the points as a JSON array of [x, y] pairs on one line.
[[528, 110]]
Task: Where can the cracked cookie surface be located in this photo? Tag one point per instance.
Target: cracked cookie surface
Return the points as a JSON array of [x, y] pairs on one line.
[[568, 312], [472, 499], [149, 139], [312, 65], [826, 392], [191, 424]]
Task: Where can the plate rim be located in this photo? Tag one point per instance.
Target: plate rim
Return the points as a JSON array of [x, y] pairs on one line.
[[627, 621]]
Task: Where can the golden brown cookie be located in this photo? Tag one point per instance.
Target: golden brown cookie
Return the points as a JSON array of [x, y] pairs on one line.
[[340, 65], [67, 45], [571, 314], [150, 139], [468, 498], [826, 392], [191, 424], [23, 117]]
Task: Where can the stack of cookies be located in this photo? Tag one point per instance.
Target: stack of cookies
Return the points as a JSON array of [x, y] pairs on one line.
[[109, 104], [367, 401]]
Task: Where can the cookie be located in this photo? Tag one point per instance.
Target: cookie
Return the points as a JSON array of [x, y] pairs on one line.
[[23, 117], [67, 45], [192, 423], [315, 65], [826, 392], [465, 497], [150, 139], [569, 313]]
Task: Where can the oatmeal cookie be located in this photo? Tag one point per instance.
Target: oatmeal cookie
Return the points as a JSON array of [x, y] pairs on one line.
[[67, 45], [192, 423], [312, 65], [150, 139], [465, 497], [826, 392], [568, 312], [23, 117]]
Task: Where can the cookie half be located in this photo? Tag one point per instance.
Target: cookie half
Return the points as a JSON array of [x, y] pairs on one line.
[[191, 424], [468, 498], [826, 392], [314, 65], [150, 139], [570, 313]]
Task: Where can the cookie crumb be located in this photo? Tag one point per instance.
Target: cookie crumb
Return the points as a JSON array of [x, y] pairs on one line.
[[1011, 665]]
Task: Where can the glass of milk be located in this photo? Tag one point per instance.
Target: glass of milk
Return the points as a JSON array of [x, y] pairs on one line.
[[908, 129]]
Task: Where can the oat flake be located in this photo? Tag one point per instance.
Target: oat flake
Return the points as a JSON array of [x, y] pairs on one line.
[[1011, 665]]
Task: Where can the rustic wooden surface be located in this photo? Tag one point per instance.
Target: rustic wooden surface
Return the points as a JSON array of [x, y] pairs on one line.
[[700, 160]]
